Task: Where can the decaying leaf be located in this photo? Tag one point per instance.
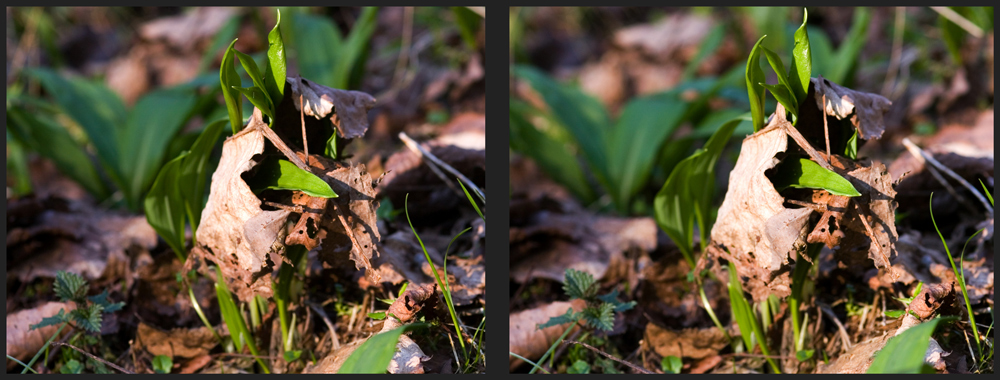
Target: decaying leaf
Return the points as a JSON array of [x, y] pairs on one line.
[[841, 102], [350, 107], [22, 342], [352, 222], [409, 356], [873, 220], [181, 342], [687, 343], [525, 337]]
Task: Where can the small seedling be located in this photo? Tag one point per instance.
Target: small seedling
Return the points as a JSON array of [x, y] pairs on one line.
[[162, 364], [671, 364]]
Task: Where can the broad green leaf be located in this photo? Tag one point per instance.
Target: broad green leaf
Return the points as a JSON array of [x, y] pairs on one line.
[[644, 126], [164, 206], [671, 364], [284, 175], [162, 364], [70, 286], [317, 44], [258, 82], [151, 124], [601, 317], [687, 193], [97, 109], [51, 140], [569, 317], [579, 284], [804, 173], [847, 54], [274, 73], [801, 69], [580, 114], [229, 78], [904, 353], [551, 155], [354, 49], [258, 98], [468, 24], [755, 76], [194, 172], [374, 355], [783, 96]]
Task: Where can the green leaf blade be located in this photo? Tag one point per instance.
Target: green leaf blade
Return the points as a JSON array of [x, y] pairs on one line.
[[275, 72], [194, 172], [805, 173], [284, 175], [164, 206], [551, 155], [374, 355], [904, 353], [353, 51], [258, 98], [229, 78], [755, 76], [801, 68]]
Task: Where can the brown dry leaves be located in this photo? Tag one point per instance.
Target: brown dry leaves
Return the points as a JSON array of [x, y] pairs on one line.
[[841, 102], [687, 343], [349, 107], [180, 342], [525, 337], [22, 342]]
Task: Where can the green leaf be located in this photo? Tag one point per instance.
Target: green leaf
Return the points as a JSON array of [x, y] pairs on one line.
[[580, 114], [317, 44], [579, 284], [745, 317], [851, 150], [45, 136], [468, 24], [904, 353], [687, 193], [803, 355], [73, 366], [229, 78], [601, 317], [102, 299], [250, 66], [569, 317], [801, 69], [292, 355], [152, 123], [472, 201], [96, 108], [50, 321], [70, 286], [551, 155], [579, 367], [804, 173], [193, 173], [644, 126], [162, 364], [987, 191], [671, 364], [354, 48], [17, 164], [894, 313], [284, 175], [377, 316], [779, 70], [164, 206], [89, 318], [612, 299], [755, 76], [783, 96], [258, 98], [374, 355], [230, 313], [274, 73]]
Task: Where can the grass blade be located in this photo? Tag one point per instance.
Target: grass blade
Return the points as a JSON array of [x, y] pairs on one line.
[[847, 54], [987, 191], [959, 273], [746, 319], [472, 201], [801, 69], [755, 76], [354, 49], [234, 319]]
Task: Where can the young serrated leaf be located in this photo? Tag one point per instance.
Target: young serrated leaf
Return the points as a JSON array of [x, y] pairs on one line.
[[579, 284], [70, 286], [601, 317], [579, 367], [612, 299], [50, 321], [570, 317], [102, 299], [89, 318]]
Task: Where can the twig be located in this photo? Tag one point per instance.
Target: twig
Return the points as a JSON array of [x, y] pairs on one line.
[[826, 130], [329, 325], [962, 22], [804, 144], [843, 332], [278, 143], [302, 118], [109, 364], [354, 241], [296, 208], [419, 149], [920, 153], [609, 356]]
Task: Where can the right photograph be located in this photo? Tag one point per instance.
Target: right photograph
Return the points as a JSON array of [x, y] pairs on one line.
[[751, 190]]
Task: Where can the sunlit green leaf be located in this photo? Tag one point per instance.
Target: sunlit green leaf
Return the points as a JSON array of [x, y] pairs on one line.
[[851, 150], [228, 79], [274, 73], [551, 155], [194, 172], [671, 364], [805, 173], [284, 175], [164, 206], [755, 76], [374, 355], [162, 364], [904, 353], [801, 69], [258, 98], [783, 96]]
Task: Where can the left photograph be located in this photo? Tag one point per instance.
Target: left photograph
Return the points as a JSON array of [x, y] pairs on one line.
[[246, 190]]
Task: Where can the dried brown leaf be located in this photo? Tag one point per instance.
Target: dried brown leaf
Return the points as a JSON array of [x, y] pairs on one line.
[[180, 342], [350, 107], [354, 206], [687, 343], [525, 337], [22, 342], [841, 102]]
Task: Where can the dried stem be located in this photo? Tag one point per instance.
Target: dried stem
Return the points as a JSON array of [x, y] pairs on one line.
[[278, 143], [413, 145], [843, 332], [826, 130], [801, 141], [922, 155], [329, 325], [302, 117]]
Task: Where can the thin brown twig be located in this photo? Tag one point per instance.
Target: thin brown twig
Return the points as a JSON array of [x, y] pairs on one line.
[[826, 130], [924, 156], [329, 325], [92, 356], [302, 118], [804, 144], [412, 144], [609, 356], [280, 144], [843, 332]]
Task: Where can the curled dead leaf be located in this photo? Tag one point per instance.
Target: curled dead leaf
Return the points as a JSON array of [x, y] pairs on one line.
[[841, 102], [350, 107]]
